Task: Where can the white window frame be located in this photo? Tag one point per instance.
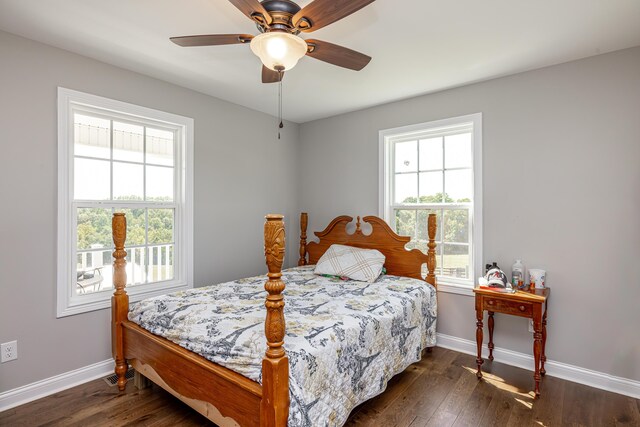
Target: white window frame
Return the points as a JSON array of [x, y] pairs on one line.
[[385, 195], [69, 302]]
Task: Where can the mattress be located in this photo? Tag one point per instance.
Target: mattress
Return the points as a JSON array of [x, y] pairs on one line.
[[344, 339]]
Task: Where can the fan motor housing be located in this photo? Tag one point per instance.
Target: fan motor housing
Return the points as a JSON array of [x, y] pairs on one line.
[[285, 6], [281, 12]]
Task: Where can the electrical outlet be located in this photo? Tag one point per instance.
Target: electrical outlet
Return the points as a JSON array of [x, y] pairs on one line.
[[531, 326], [8, 351]]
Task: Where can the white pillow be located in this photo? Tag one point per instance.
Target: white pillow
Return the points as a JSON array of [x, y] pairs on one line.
[[364, 265]]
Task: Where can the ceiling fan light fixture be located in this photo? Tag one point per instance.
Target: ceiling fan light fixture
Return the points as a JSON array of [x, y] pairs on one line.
[[278, 50]]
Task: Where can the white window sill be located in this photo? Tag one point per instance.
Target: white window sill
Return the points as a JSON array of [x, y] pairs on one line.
[[455, 288], [79, 304]]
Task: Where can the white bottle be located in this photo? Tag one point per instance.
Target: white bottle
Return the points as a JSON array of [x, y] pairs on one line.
[[517, 274]]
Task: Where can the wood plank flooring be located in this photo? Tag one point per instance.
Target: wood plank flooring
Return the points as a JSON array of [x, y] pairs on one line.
[[440, 390]]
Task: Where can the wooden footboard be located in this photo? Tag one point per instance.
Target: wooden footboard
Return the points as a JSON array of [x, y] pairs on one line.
[[225, 397]]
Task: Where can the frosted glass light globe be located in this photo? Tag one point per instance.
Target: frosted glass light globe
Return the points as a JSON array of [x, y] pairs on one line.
[[278, 49]]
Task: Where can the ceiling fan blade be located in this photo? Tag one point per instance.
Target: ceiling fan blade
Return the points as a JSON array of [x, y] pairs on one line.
[[337, 55], [251, 7], [211, 39], [270, 76], [320, 13]]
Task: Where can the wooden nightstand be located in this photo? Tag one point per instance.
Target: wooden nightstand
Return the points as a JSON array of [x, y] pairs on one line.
[[529, 304]]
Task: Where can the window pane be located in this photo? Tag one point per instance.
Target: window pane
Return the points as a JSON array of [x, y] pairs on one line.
[[159, 147], [93, 271], [406, 155], [91, 136], [456, 225], [456, 261], [136, 266], [91, 179], [128, 142], [93, 228], [135, 226], [423, 228], [457, 185], [159, 183], [423, 247], [160, 225], [422, 239], [457, 151], [127, 181], [406, 188], [431, 153], [160, 263], [430, 187], [406, 222]]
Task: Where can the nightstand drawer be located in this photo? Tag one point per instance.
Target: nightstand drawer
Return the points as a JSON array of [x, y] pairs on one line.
[[499, 305]]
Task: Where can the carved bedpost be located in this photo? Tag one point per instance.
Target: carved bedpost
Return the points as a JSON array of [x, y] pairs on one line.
[[431, 253], [304, 218], [120, 299], [274, 407]]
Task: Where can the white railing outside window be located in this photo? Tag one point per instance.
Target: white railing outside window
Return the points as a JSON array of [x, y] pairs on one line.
[[95, 275]]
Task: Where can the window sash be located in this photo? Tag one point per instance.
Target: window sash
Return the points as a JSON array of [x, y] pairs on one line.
[[441, 241], [127, 119], [78, 205], [393, 140]]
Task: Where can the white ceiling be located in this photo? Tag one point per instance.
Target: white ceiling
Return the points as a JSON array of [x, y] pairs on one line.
[[418, 46]]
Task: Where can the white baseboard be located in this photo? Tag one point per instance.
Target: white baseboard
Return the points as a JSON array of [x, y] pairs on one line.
[[21, 395], [555, 369]]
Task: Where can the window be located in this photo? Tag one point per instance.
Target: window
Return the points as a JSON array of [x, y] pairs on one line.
[[118, 157], [436, 168]]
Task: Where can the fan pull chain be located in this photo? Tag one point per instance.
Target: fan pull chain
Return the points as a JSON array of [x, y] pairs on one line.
[[280, 75], [280, 126]]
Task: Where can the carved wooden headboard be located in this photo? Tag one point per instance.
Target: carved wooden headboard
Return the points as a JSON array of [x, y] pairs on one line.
[[399, 261]]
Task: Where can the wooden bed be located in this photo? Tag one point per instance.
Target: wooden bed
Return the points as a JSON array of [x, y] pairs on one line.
[[220, 394]]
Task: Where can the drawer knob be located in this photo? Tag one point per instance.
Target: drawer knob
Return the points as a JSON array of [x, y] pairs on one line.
[[522, 308], [490, 302]]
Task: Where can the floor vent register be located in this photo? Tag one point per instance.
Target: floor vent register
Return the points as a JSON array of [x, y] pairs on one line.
[[112, 380]]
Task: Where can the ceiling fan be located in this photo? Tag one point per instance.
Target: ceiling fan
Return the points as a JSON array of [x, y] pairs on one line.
[[278, 45]]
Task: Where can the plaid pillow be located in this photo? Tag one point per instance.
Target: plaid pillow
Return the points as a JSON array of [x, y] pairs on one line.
[[364, 265]]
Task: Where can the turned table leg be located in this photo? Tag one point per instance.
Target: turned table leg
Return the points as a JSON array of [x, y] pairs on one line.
[[491, 335], [543, 357], [537, 348], [479, 325]]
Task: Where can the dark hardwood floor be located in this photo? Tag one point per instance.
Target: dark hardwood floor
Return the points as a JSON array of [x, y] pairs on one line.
[[441, 390]]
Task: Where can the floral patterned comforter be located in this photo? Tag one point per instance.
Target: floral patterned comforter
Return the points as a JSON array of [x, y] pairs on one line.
[[344, 339]]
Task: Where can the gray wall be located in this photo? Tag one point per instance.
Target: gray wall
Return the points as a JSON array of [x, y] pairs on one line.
[[561, 191], [574, 129], [242, 172]]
